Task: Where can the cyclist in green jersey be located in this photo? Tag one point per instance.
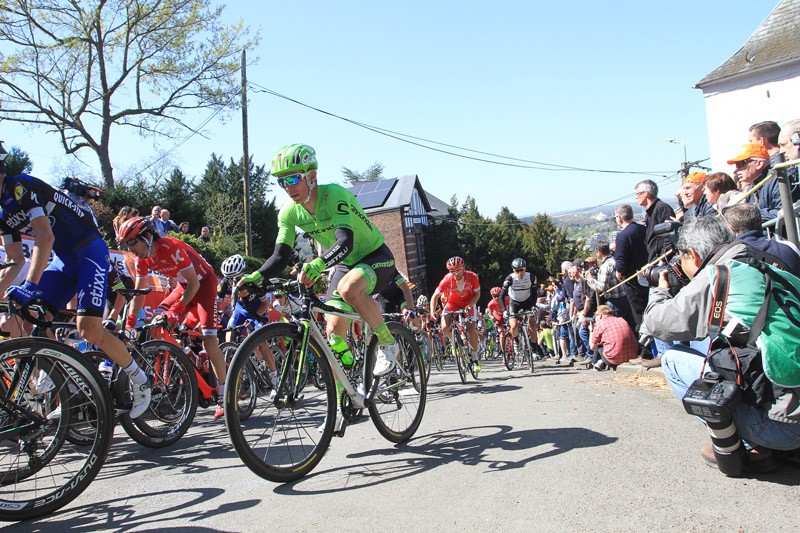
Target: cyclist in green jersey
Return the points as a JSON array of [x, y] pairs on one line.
[[353, 247]]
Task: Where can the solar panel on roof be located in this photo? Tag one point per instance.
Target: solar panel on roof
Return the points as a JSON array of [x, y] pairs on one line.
[[373, 194]]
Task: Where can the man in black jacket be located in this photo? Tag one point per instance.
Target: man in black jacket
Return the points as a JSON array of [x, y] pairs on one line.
[[630, 254], [656, 212]]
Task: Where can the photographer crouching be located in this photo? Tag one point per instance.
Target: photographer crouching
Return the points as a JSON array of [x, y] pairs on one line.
[[762, 416]]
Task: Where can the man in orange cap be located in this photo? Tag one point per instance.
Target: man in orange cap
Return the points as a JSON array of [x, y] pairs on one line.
[[694, 201], [752, 167]]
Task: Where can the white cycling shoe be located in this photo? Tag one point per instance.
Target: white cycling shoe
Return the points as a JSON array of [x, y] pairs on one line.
[[141, 398], [385, 361]]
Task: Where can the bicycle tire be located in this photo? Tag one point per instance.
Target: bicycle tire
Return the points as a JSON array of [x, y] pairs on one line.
[[458, 353], [71, 469], [472, 365], [427, 355], [508, 352], [399, 403], [529, 349], [438, 354], [248, 395], [280, 440], [174, 396]]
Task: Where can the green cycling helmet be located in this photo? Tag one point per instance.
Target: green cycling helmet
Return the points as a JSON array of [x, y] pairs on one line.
[[294, 158]]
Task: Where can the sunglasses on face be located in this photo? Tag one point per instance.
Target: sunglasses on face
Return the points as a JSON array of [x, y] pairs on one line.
[[519, 269], [742, 164], [129, 243], [459, 269], [290, 180]]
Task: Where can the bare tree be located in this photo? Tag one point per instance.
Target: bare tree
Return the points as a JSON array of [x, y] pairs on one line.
[[79, 68], [373, 173]]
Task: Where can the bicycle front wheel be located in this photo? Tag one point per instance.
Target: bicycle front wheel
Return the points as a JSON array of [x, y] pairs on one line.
[[285, 437], [508, 352], [47, 387], [399, 402], [174, 396], [459, 352]]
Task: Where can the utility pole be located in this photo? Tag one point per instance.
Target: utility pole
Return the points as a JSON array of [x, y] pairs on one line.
[[248, 230]]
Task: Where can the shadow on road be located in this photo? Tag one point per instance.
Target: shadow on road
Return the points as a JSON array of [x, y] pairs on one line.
[[477, 446], [137, 512]]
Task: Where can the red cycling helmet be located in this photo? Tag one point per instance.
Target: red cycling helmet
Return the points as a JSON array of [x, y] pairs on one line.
[[495, 291], [134, 227], [454, 263]]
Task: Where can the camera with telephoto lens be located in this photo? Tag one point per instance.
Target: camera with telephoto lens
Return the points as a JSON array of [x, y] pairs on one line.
[[676, 277], [713, 399]]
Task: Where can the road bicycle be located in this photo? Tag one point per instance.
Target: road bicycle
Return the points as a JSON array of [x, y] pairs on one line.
[[285, 438], [523, 343], [173, 398], [47, 388], [188, 342], [459, 341]]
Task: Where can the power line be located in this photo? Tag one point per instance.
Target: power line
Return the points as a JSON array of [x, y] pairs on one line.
[[536, 165]]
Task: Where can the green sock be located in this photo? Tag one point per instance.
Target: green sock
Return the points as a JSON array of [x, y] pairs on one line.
[[384, 335]]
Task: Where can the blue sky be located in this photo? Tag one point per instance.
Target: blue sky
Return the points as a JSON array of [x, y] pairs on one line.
[[581, 84]]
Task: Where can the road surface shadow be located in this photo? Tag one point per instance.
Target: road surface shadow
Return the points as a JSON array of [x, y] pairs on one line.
[[477, 446], [135, 512]]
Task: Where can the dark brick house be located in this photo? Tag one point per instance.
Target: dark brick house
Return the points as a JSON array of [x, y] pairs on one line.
[[400, 208]]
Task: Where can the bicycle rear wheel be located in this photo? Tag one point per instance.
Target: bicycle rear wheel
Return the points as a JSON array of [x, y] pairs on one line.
[[40, 471], [282, 440], [253, 382], [400, 400], [174, 396]]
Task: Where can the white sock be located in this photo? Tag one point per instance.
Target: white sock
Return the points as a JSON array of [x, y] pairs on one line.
[[135, 374], [221, 390], [273, 377]]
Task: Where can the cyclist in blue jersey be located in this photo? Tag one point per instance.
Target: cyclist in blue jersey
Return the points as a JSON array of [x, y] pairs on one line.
[[251, 304], [80, 265]]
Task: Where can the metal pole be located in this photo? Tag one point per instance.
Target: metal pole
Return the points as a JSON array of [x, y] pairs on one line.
[[789, 218], [248, 230]]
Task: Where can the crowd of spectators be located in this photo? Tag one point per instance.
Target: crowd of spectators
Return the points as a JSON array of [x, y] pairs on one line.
[[611, 283], [161, 220]]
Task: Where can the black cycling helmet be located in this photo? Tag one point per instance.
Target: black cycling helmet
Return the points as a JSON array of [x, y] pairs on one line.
[[518, 263]]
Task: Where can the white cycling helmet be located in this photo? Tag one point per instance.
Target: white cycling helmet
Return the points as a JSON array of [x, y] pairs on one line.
[[422, 301], [233, 266]]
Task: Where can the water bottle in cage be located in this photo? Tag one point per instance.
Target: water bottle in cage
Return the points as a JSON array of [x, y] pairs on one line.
[[106, 369]]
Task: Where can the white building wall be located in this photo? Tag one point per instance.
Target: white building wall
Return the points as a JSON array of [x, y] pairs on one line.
[[733, 106]]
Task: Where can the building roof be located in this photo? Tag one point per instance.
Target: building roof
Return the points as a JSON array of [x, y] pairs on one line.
[[776, 42], [439, 209], [399, 194]]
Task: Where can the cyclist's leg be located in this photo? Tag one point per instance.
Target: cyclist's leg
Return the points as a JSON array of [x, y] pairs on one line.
[[204, 306]]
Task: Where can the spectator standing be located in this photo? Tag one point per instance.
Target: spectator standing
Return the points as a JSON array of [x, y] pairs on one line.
[[605, 280], [630, 255], [184, 228], [766, 134], [752, 167], [126, 212], [164, 225], [656, 212], [205, 234], [695, 203], [715, 185]]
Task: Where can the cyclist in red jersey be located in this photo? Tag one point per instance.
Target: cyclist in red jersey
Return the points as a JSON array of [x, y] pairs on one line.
[[495, 308], [196, 290], [459, 289]]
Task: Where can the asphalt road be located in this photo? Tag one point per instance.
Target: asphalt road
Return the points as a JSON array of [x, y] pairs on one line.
[[559, 450]]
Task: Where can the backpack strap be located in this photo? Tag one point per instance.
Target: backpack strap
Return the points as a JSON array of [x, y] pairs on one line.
[[761, 316]]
